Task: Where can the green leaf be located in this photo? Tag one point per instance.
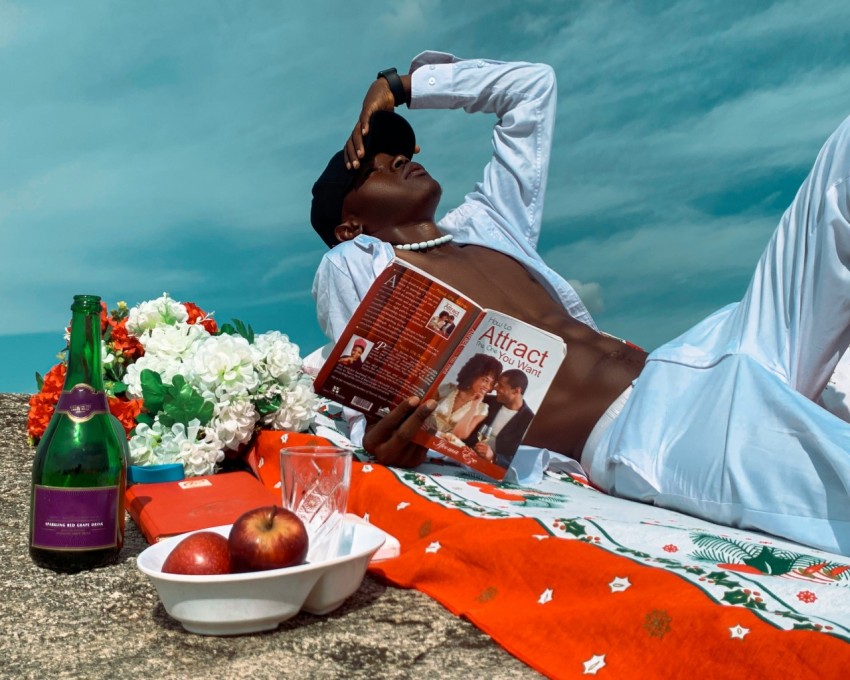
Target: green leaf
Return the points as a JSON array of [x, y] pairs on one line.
[[182, 404], [119, 387], [574, 527], [266, 406], [739, 597], [238, 328], [722, 578], [153, 391], [39, 382], [769, 562], [145, 418]]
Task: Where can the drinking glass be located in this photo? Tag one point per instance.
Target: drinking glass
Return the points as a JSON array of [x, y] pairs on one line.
[[315, 482], [485, 433]]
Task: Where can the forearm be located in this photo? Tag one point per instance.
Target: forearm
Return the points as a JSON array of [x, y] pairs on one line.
[[523, 97]]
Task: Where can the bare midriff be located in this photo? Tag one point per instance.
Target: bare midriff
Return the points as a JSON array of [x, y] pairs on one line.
[[597, 367]]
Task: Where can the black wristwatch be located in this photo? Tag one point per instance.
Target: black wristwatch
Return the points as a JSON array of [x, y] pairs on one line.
[[396, 87]]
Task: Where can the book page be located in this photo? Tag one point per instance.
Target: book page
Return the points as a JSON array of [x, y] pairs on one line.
[[397, 342], [489, 393]]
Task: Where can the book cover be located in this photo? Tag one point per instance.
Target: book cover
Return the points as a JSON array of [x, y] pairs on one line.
[[412, 335], [170, 508]]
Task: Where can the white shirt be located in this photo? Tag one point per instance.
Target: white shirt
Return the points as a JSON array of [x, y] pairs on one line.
[[502, 212]]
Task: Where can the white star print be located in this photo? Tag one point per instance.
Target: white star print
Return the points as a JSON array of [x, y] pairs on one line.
[[739, 632], [541, 537], [545, 596], [366, 516], [434, 547], [367, 468], [618, 585], [593, 664], [402, 505]]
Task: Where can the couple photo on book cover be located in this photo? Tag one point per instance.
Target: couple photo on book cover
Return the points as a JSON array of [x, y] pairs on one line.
[[487, 371]]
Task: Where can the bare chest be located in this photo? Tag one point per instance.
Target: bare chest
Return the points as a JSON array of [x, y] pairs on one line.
[[492, 279]]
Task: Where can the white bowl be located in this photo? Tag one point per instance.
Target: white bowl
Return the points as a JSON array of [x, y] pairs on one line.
[[232, 604]]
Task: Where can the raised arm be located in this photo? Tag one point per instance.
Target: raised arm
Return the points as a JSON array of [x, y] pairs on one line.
[[523, 96]]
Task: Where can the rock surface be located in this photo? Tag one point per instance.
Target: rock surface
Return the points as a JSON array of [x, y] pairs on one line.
[[109, 622]]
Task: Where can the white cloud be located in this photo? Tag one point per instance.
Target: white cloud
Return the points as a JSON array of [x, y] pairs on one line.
[[591, 294], [174, 146]]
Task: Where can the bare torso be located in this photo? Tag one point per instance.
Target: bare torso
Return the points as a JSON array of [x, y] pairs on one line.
[[597, 367]]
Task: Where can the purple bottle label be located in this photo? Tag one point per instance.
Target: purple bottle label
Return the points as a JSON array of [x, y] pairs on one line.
[[75, 519], [82, 402]]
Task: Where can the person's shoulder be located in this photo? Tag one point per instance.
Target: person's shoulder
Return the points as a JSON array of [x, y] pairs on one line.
[[361, 253]]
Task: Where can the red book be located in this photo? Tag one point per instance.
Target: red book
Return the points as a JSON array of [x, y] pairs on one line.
[[169, 508], [413, 335]]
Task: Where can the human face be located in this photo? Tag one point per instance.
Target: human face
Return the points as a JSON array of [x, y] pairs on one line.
[[390, 194], [505, 394], [482, 385], [356, 351]]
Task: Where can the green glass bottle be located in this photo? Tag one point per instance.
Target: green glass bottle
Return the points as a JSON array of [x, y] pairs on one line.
[[80, 470]]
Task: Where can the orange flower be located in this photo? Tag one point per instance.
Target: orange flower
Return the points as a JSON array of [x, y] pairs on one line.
[[125, 343], [198, 315], [54, 380], [41, 410], [43, 404], [105, 319], [126, 411]]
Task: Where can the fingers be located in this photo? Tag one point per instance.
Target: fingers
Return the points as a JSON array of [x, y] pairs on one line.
[[394, 431], [378, 98], [354, 149], [389, 440]]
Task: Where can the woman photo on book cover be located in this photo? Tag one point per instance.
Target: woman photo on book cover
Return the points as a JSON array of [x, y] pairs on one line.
[[356, 355], [461, 408]]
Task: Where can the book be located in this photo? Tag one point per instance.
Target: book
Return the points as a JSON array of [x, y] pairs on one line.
[[413, 335], [166, 509]]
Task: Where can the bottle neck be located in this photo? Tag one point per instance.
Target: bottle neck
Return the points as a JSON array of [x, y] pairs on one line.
[[85, 364]]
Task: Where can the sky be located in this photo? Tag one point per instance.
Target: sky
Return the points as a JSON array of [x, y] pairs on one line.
[[164, 146]]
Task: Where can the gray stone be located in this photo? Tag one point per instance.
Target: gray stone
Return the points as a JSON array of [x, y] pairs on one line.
[[109, 623]]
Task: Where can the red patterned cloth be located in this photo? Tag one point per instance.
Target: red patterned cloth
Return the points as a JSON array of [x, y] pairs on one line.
[[562, 581]]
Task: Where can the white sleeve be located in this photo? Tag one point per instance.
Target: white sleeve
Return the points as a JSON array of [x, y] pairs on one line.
[[343, 278], [524, 98]]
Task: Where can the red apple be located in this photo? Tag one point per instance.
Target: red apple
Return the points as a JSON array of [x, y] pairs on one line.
[[270, 537], [204, 552]]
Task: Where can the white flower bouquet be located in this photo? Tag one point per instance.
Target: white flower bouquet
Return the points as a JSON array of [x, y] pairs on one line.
[[187, 391]]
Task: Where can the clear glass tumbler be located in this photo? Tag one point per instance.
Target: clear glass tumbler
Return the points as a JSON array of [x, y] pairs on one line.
[[314, 482]]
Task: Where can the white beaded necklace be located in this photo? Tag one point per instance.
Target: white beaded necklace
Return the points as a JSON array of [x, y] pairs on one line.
[[425, 245]]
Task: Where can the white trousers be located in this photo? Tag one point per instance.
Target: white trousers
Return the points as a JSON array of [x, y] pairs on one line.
[[721, 423]]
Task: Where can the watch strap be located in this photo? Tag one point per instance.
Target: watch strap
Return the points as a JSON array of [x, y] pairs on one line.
[[395, 84]]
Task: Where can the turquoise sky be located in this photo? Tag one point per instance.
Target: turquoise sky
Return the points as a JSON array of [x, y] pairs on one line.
[[171, 145]]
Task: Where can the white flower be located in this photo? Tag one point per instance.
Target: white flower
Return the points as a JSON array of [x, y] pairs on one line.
[[173, 342], [149, 315], [107, 358], [297, 408], [198, 449], [199, 456], [165, 366], [277, 359], [234, 422], [238, 378], [221, 365]]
